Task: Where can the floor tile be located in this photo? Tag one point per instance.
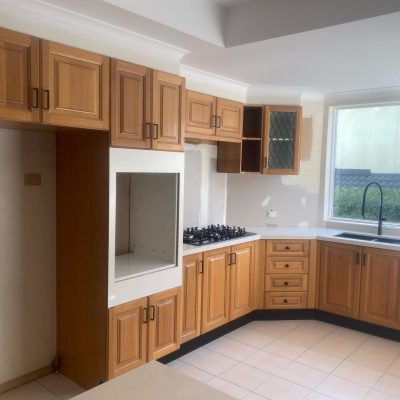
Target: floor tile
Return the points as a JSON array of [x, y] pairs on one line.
[[285, 349], [231, 348], [211, 362], [251, 337], [194, 372], [303, 338], [245, 376], [267, 362], [176, 363], [277, 388], [71, 395], [389, 384], [336, 347], [341, 389], [30, 391], [271, 328], [229, 388], [394, 368], [58, 384], [193, 354], [375, 395], [317, 396], [322, 361], [302, 374], [316, 326], [357, 373], [253, 396]]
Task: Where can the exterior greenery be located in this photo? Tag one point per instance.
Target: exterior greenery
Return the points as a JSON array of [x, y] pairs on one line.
[[347, 203]]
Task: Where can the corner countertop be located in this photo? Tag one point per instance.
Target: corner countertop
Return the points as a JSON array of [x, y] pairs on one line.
[[153, 381], [325, 234]]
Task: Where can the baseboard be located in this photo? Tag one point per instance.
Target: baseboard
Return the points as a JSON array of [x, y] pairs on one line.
[[26, 378], [275, 315]]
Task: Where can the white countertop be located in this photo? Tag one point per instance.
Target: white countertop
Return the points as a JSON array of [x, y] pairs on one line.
[[153, 381], [325, 234]]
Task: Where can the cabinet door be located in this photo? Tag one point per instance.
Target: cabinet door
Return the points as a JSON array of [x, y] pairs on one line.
[[380, 287], [241, 276], [19, 76], [215, 296], [130, 105], [200, 114], [165, 316], [75, 87], [229, 118], [281, 153], [191, 296], [127, 332], [168, 111], [340, 279]]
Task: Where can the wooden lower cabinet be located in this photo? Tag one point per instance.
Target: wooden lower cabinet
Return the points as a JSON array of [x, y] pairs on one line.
[[380, 287], [143, 330]]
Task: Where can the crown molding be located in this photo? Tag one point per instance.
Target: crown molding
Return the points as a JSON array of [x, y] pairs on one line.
[[53, 18]]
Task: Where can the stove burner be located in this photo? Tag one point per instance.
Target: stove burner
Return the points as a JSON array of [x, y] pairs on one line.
[[213, 233]]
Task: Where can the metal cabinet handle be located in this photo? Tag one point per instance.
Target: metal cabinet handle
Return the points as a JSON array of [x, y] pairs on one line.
[[201, 266], [35, 98], [152, 313], [364, 259], [286, 283], [155, 131], [145, 315], [46, 102], [230, 259], [358, 259], [148, 130], [213, 121], [218, 122]]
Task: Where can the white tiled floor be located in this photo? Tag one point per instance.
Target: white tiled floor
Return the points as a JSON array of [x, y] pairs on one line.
[[311, 360], [275, 360]]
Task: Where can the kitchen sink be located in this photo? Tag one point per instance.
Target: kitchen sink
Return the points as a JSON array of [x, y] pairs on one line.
[[367, 238]]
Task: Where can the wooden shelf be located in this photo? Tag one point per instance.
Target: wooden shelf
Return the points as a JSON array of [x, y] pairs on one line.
[[253, 122]]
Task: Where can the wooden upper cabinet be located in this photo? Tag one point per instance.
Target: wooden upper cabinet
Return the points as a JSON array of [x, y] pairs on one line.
[[191, 296], [281, 142], [215, 296], [75, 87], [165, 316], [19, 76], [168, 111], [127, 337], [130, 105], [201, 112], [380, 287], [229, 118], [340, 272], [241, 277]]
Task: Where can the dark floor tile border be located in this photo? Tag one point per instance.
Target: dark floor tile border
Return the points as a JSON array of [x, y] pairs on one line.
[[276, 315]]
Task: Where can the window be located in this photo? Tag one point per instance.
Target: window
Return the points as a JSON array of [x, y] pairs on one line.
[[365, 148]]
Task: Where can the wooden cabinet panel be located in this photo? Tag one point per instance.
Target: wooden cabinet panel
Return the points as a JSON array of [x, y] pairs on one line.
[[75, 87], [191, 296], [283, 282], [215, 295], [286, 265], [19, 76], [168, 111], [200, 114], [281, 300], [241, 277], [230, 118], [165, 316], [340, 274], [380, 287], [288, 247], [130, 105], [127, 337]]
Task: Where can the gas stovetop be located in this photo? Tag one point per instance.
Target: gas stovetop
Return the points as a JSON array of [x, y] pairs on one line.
[[213, 233]]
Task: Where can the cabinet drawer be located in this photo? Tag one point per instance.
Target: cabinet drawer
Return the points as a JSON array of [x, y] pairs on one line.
[[282, 282], [286, 265], [287, 247], [285, 300]]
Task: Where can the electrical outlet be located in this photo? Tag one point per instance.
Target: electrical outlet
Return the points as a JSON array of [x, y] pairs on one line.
[[272, 213]]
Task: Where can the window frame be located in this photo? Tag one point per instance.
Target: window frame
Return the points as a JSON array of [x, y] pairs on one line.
[[330, 166]]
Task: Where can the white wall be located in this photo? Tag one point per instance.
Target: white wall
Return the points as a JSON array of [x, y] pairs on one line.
[[205, 189], [27, 253]]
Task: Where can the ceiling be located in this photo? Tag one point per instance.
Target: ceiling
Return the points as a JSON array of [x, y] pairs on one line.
[[319, 45]]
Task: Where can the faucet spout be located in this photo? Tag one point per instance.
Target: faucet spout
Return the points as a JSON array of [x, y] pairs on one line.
[[380, 216]]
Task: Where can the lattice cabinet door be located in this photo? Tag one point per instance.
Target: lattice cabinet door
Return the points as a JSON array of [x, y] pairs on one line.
[[281, 150]]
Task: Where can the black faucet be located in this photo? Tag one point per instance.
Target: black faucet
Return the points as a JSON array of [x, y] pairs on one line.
[[380, 217]]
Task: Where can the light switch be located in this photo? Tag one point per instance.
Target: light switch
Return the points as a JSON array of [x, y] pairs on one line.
[[32, 179]]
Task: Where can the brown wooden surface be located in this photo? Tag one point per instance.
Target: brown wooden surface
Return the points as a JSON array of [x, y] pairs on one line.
[[127, 337], [288, 247], [339, 289], [312, 275], [165, 323], [380, 287], [77, 82], [82, 255], [130, 105], [215, 296], [286, 282], [19, 76], [229, 157], [241, 277], [230, 118], [287, 265], [168, 111], [259, 272], [282, 300], [191, 296], [200, 114], [296, 158]]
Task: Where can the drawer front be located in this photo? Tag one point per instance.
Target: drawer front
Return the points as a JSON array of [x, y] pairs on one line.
[[287, 247], [277, 300], [284, 265], [283, 282]]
